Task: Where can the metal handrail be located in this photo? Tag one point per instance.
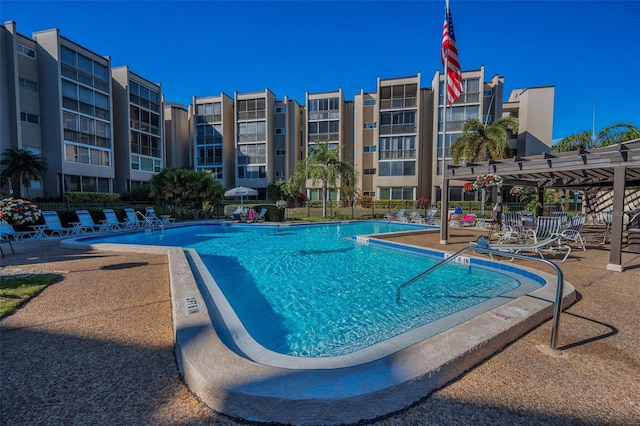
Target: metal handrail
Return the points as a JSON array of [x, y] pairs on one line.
[[557, 304], [149, 220]]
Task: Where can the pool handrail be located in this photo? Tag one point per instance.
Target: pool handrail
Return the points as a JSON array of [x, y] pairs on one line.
[[149, 221], [557, 304]]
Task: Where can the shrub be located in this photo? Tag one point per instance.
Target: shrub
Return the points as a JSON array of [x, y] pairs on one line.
[[91, 197]]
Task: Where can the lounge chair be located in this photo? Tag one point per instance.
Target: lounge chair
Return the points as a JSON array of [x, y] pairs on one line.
[[4, 239], [551, 245], [113, 222], [468, 220], [573, 231], [546, 226], [158, 220], [262, 216], [430, 218], [53, 224], [132, 221], [87, 224], [397, 215], [7, 230], [416, 217]]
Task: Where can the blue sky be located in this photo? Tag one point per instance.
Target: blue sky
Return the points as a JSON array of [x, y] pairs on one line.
[[588, 50]]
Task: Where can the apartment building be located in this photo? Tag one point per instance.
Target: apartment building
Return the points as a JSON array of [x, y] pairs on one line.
[[177, 135], [392, 139], [20, 110], [214, 137], [533, 107], [479, 100], [329, 118], [139, 150]]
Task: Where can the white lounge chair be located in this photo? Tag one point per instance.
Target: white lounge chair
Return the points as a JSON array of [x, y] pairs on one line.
[[573, 231], [53, 225], [132, 221], [551, 245], [86, 223], [8, 231], [112, 221]]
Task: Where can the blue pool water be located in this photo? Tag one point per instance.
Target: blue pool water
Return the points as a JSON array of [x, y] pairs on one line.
[[313, 291]]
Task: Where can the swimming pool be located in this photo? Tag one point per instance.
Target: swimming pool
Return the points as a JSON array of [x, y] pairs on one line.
[[365, 375]]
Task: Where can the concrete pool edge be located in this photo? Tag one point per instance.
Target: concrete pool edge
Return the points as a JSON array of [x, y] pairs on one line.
[[233, 385]]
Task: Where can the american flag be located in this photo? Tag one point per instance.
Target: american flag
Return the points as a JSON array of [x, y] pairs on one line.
[[449, 56]]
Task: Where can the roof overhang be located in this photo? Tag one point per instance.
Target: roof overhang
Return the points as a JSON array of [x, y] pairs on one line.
[[575, 169]]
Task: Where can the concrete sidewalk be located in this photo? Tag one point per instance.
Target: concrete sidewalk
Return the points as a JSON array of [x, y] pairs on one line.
[[97, 348]]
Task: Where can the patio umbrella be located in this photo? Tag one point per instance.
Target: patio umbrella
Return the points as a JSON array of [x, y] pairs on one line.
[[240, 191]]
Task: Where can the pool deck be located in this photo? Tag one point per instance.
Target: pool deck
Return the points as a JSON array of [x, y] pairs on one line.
[[97, 348]]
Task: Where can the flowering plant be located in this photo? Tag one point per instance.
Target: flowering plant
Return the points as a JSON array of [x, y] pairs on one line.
[[519, 191], [281, 204], [17, 211], [423, 202], [484, 181]]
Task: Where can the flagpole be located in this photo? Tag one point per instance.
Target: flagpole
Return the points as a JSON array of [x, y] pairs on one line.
[[444, 129]]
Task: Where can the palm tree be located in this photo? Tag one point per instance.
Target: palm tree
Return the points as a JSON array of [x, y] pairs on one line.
[[24, 166], [482, 142], [323, 164], [609, 135]]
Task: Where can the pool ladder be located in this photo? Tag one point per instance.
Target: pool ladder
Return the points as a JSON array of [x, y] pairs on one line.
[[557, 305], [149, 222]]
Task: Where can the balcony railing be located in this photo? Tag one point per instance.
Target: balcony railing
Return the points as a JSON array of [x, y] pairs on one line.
[[393, 129], [84, 78], [321, 137], [251, 115], [397, 154], [397, 103]]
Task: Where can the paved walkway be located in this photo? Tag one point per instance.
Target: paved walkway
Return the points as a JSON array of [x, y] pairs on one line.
[[96, 348]]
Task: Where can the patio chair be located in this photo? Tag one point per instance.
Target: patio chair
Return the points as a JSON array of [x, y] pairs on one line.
[[150, 213], [550, 245], [113, 222], [572, 231], [132, 220], [468, 220], [546, 226], [7, 230], [416, 217], [395, 216], [262, 215], [4, 239], [54, 226], [564, 216], [430, 218], [508, 235], [87, 224]]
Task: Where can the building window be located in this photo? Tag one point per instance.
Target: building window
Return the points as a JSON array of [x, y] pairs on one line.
[[86, 184], [26, 51], [280, 174], [396, 193], [87, 155], [28, 84], [369, 172], [369, 148], [397, 168], [370, 125], [252, 154], [251, 109], [280, 131], [280, 110], [146, 164], [30, 118], [252, 131], [369, 102], [280, 152]]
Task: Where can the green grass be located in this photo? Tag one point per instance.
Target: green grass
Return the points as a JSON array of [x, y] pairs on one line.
[[15, 291]]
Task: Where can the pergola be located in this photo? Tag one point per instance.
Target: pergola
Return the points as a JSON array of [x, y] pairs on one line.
[[616, 166]]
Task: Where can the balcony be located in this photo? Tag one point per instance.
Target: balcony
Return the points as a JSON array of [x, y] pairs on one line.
[[397, 154], [397, 103], [394, 129]]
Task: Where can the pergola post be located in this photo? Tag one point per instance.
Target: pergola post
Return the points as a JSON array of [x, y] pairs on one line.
[[540, 201], [444, 215], [617, 216]]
